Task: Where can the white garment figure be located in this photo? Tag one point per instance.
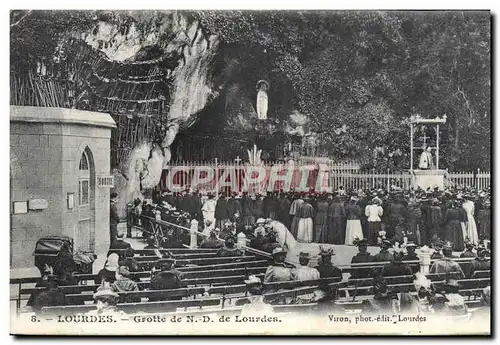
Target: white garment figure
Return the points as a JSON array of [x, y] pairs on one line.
[[262, 104], [374, 212], [425, 160], [283, 236], [471, 228], [305, 230], [353, 230], [305, 273], [208, 210]]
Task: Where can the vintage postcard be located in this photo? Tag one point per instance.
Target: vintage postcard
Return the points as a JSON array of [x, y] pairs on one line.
[[250, 172]]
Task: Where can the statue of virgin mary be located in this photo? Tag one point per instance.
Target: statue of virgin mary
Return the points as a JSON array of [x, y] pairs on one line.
[[262, 100]]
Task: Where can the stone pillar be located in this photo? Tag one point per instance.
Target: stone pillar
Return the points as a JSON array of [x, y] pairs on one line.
[[425, 259], [194, 234], [241, 240]]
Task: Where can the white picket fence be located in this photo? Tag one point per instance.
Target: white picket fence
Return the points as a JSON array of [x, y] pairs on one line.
[[479, 179], [346, 174]]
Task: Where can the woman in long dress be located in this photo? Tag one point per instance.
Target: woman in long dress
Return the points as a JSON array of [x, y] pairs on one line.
[[471, 227], [320, 221], [414, 220], [373, 212], [305, 215], [294, 208], [453, 229], [336, 221], [484, 220], [353, 225]]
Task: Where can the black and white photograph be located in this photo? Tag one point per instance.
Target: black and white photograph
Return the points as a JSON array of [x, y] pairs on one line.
[[250, 172]]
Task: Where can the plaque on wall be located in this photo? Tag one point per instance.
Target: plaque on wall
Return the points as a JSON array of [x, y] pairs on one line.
[[106, 181]]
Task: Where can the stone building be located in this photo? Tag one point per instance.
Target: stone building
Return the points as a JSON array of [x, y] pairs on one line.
[[59, 179]]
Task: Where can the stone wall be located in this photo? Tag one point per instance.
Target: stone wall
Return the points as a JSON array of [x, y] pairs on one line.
[[46, 145]]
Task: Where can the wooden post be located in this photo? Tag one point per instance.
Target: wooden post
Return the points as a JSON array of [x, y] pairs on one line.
[[388, 181], [411, 147], [373, 177], [425, 259], [216, 179], [437, 147], [194, 234]]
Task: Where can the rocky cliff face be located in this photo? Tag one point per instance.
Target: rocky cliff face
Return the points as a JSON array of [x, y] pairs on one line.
[[191, 87]]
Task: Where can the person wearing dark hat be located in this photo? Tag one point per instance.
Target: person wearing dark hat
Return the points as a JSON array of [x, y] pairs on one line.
[[321, 220], [396, 267], [480, 263], [234, 206], [324, 299], [270, 206], [129, 261], [435, 219], [114, 218], [353, 225], [336, 221], [294, 209], [123, 283], [437, 245], [229, 249], [258, 206], [278, 271], [453, 227], [468, 253], [304, 272], [446, 265], [221, 210], [383, 300], [363, 256], [247, 210], [51, 296], [270, 243], [151, 243], [168, 278], [284, 204], [397, 216], [384, 254], [211, 242], [325, 266], [119, 246], [259, 241], [448, 301], [484, 219], [410, 252]]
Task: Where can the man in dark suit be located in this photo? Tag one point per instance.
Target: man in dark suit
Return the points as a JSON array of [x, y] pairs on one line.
[[114, 219]]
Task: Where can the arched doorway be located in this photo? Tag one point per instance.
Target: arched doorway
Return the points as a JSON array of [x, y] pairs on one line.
[[85, 236]]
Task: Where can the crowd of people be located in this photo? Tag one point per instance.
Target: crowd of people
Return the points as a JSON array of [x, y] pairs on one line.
[[457, 215], [405, 220]]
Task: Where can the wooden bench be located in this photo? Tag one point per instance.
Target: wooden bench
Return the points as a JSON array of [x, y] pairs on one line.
[[145, 274], [177, 256], [75, 289], [481, 274], [76, 299], [203, 262]]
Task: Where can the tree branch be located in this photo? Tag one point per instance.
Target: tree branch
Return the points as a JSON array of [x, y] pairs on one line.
[[21, 19]]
